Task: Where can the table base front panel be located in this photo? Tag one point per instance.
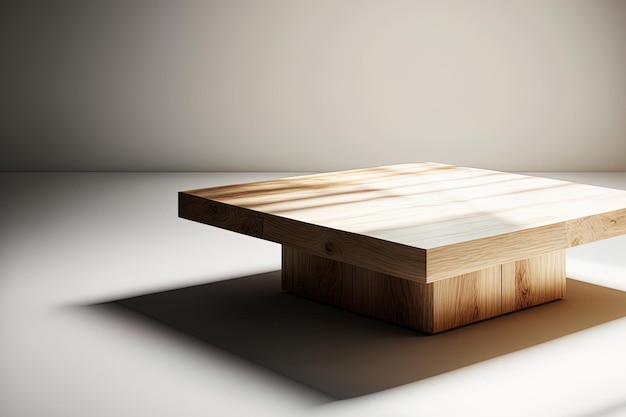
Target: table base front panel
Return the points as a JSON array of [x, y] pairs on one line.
[[432, 307]]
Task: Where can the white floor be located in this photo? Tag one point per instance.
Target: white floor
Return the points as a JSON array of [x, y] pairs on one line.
[[70, 242]]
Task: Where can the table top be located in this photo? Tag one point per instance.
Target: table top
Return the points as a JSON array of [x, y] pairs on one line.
[[431, 212]]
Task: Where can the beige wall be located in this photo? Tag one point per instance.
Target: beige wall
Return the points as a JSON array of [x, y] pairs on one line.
[[312, 85]]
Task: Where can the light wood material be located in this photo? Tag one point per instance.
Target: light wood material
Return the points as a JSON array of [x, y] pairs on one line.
[[396, 300], [467, 298], [431, 308], [317, 278], [372, 293], [425, 245], [424, 222], [533, 281]]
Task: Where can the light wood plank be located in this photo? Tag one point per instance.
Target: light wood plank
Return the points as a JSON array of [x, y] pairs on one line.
[[592, 228], [533, 281], [465, 257], [466, 298], [393, 299], [225, 216], [386, 297], [424, 222], [429, 308], [317, 278], [374, 254]]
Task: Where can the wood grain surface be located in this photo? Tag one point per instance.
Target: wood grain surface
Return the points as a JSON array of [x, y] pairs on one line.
[[433, 307], [317, 278], [533, 281], [423, 222], [386, 297], [467, 298]]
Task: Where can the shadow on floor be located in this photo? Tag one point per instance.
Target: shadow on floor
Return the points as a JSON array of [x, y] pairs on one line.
[[347, 355]]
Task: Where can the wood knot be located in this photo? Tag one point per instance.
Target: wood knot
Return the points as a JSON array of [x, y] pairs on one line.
[[329, 247]]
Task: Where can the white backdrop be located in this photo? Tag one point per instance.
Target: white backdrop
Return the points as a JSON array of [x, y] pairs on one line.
[[312, 85]]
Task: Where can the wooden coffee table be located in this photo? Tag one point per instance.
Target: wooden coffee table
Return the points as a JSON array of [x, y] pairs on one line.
[[425, 245]]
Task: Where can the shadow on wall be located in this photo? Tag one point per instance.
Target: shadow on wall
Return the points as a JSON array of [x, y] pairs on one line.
[[347, 355]]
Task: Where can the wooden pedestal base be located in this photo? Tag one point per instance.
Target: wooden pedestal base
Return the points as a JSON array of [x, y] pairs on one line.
[[432, 307]]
